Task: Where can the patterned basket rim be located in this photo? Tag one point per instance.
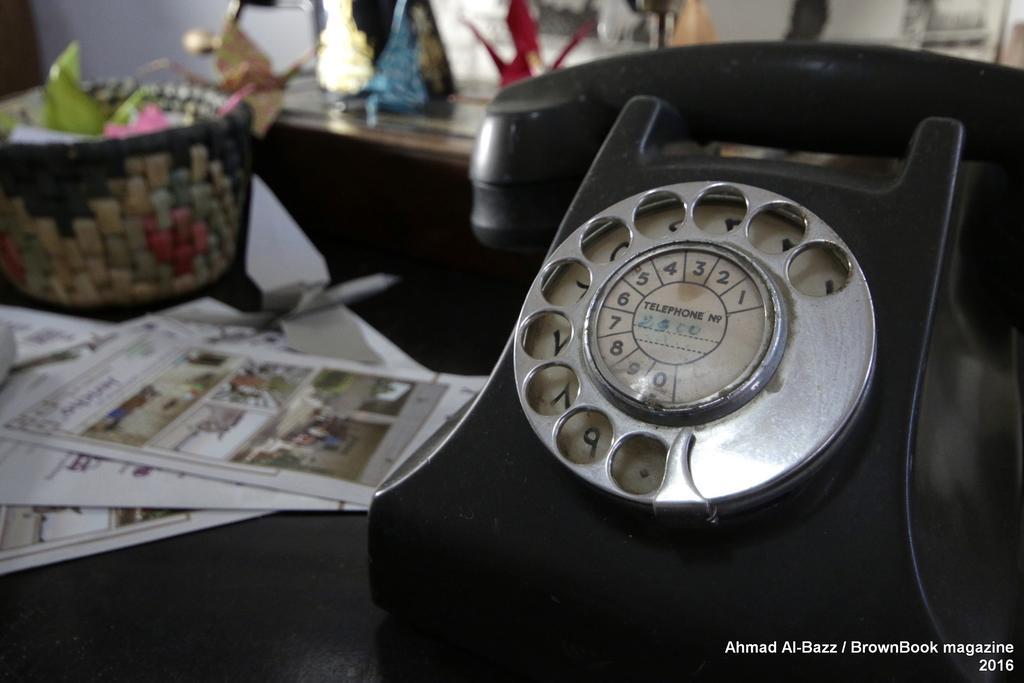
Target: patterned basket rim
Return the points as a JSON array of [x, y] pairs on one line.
[[240, 116]]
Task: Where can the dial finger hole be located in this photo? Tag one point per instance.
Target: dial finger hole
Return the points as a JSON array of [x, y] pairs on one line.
[[777, 228], [565, 283], [638, 465], [605, 240], [584, 437], [552, 390], [720, 210], [659, 215], [546, 335], [819, 269]]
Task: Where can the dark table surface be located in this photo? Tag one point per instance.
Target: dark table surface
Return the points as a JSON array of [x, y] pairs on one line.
[[283, 597]]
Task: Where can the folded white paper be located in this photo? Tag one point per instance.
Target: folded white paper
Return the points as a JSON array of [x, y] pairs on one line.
[[32, 536], [279, 257]]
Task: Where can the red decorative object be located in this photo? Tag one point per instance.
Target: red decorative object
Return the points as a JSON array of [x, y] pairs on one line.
[[183, 259], [199, 235], [162, 245], [523, 29]]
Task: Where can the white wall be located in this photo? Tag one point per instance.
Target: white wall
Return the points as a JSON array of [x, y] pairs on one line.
[[118, 36], [849, 20], [1014, 15]]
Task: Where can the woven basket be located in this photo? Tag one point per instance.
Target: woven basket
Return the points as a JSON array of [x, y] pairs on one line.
[[127, 221]]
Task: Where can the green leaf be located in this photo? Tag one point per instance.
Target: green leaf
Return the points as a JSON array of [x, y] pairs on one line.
[[7, 124], [123, 114], [68, 63], [66, 107]]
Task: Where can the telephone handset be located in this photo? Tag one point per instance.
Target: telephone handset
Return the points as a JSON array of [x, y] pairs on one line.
[[651, 328], [746, 400], [540, 136]]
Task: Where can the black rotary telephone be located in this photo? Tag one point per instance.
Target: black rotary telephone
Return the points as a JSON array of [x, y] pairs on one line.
[[749, 403]]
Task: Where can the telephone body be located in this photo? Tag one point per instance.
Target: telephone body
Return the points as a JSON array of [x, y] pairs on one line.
[[809, 429]]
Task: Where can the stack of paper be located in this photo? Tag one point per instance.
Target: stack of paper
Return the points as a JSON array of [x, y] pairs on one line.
[[112, 435], [157, 427]]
